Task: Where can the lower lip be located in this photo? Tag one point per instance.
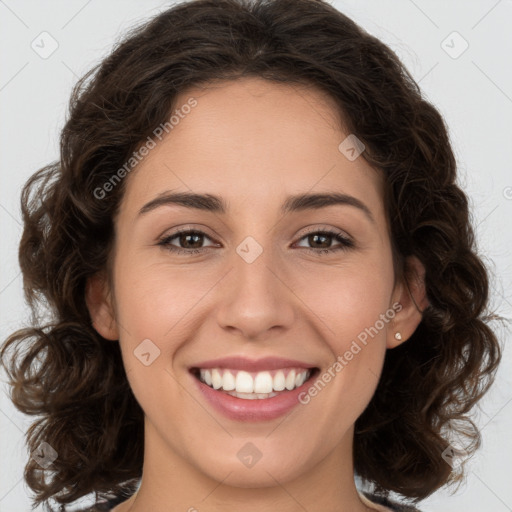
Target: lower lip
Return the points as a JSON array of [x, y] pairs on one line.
[[263, 409]]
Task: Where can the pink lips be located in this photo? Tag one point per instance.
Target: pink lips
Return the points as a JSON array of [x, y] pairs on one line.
[[240, 409]]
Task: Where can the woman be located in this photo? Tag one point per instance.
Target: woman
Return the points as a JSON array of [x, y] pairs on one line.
[[262, 274]]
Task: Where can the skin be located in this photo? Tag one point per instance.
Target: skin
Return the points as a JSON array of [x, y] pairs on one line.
[[254, 143]]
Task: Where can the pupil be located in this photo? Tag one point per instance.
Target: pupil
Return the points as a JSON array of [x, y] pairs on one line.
[[317, 236], [191, 235]]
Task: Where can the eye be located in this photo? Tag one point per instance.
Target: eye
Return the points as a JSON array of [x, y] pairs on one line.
[[320, 237], [191, 241]]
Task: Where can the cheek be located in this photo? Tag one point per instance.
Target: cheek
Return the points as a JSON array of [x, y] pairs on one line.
[[157, 309], [353, 304], [348, 299], [153, 300], [152, 312], [355, 317]]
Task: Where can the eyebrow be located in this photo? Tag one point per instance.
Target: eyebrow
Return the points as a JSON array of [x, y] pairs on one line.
[[295, 203]]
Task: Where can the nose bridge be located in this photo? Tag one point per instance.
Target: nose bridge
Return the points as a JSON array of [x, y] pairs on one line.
[[254, 298]]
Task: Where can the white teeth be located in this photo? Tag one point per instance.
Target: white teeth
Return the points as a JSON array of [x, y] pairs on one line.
[[244, 382], [228, 382], [290, 380], [300, 379], [262, 385], [216, 379], [252, 396], [279, 381], [206, 376]]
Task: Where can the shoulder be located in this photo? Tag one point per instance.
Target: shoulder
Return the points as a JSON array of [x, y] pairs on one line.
[[391, 504]]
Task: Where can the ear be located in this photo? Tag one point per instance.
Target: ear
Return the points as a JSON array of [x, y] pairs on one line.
[[99, 304], [410, 292]]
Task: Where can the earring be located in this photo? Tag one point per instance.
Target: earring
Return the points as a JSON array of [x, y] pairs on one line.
[[398, 336]]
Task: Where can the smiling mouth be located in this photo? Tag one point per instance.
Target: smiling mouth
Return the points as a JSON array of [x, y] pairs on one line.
[[254, 385]]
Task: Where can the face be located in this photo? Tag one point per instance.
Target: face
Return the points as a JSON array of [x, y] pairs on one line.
[[252, 281]]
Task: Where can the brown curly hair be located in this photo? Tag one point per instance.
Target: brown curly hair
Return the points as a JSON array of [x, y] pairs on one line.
[[78, 387]]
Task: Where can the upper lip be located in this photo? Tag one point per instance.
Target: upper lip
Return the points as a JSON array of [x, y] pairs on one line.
[[252, 365]]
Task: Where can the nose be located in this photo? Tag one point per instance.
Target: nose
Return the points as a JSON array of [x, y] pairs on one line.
[[256, 298]]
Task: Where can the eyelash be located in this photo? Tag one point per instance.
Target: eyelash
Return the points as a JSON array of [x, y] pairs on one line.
[[346, 243]]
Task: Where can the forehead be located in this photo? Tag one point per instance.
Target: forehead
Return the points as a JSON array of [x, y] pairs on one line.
[[254, 140]]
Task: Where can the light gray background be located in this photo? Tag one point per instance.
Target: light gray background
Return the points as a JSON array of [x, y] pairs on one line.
[[472, 91]]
